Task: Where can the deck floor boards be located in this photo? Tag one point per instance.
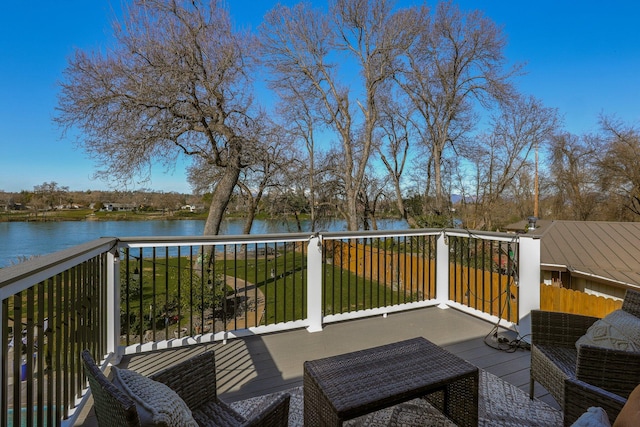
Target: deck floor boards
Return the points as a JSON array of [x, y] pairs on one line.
[[262, 364]]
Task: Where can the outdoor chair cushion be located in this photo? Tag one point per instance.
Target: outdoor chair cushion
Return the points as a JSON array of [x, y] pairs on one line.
[[619, 330], [191, 381], [581, 376], [156, 403], [594, 417]]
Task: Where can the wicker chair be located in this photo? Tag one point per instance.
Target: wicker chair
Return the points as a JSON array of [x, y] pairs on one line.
[[194, 380], [555, 361], [579, 396]]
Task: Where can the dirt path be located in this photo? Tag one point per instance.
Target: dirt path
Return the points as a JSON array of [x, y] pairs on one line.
[[255, 303]]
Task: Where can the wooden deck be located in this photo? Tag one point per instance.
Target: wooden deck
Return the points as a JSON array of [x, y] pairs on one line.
[[264, 364]]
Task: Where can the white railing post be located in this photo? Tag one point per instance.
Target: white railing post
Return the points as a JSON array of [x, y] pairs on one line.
[[442, 269], [113, 304], [314, 284], [528, 282]]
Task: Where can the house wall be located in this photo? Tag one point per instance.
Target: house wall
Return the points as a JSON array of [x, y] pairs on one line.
[[596, 288], [556, 278], [565, 280]]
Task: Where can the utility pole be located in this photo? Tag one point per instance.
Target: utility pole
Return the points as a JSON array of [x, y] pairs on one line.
[[536, 195]]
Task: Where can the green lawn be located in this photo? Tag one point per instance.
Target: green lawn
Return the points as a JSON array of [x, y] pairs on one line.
[[281, 279]]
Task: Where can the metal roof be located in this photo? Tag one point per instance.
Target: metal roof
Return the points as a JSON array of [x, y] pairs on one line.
[[604, 251]]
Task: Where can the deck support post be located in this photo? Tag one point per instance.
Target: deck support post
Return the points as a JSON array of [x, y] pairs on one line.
[[113, 305], [314, 284], [442, 269], [528, 283]]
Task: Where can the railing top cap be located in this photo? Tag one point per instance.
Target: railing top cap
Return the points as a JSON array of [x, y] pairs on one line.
[[55, 260]]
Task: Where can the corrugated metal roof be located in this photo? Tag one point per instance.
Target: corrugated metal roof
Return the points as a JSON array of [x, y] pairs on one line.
[[607, 250]]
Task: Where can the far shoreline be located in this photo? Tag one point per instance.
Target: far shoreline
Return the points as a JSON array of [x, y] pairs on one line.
[[91, 215]]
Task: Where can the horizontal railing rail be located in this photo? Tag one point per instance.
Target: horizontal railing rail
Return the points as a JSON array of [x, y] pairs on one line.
[[132, 294]]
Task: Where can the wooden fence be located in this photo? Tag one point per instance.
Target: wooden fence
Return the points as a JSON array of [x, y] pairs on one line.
[[477, 288], [487, 291], [554, 298], [401, 271], [416, 272]]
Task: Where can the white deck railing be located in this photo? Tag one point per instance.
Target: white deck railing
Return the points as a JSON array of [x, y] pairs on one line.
[[126, 295]]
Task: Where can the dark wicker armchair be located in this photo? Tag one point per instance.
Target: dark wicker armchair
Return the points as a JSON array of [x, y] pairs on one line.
[[194, 380], [590, 372], [579, 396]]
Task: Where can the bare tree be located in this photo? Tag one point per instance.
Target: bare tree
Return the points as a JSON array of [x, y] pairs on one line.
[[619, 160], [302, 123], [50, 194], [370, 196], [573, 169], [175, 83], [501, 156], [268, 171], [457, 65], [304, 48], [394, 149]]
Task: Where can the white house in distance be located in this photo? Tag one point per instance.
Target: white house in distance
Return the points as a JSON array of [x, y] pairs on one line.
[[118, 207], [596, 257]]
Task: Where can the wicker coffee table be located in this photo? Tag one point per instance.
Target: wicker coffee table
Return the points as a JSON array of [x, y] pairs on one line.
[[349, 385]]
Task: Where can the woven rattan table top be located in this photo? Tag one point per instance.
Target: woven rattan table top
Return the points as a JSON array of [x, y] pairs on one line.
[[356, 382]]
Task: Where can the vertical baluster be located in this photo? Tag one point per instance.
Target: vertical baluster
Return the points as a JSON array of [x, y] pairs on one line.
[[255, 281], [179, 279], [191, 331], [166, 294], [153, 308], [267, 308], [245, 295], [285, 276], [17, 357], [127, 304], [483, 283], [294, 282], [303, 280], [370, 247], [57, 308], [203, 280], [40, 343], [356, 274], [29, 354], [4, 368]]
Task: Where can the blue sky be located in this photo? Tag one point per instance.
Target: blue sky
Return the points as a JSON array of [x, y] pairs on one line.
[[583, 58]]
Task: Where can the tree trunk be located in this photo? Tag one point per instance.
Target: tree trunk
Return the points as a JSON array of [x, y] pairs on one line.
[[437, 172], [352, 209], [411, 221], [220, 200], [253, 206]]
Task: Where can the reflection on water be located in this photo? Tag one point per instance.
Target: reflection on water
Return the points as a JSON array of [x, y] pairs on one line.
[[22, 240]]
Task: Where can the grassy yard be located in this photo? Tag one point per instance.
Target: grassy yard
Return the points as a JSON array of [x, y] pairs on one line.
[[171, 286]]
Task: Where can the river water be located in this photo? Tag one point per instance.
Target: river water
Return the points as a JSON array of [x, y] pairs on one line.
[[22, 240]]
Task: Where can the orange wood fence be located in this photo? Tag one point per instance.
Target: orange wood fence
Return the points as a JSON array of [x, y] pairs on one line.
[[480, 289], [554, 298], [397, 270], [476, 288]]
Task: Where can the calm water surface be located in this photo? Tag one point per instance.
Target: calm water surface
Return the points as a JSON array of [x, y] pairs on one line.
[[21, 240]]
